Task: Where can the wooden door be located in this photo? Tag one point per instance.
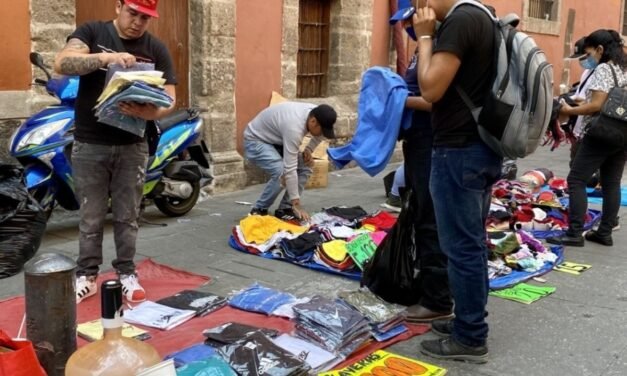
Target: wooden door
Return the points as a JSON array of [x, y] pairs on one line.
[[172, 27]]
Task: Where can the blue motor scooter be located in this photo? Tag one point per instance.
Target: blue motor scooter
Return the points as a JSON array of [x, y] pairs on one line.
[[175, 176]]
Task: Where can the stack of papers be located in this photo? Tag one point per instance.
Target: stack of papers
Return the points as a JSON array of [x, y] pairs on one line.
[[331, 325], [157, 315], [201, 302], [130, 86]]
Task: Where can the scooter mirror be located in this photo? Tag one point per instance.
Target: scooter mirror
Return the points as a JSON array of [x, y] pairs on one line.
[[37, 60]]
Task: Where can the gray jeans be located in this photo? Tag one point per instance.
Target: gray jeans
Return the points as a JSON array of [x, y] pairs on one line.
[[101, 172]]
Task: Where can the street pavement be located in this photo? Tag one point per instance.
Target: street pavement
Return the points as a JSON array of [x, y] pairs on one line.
[[578, 330]]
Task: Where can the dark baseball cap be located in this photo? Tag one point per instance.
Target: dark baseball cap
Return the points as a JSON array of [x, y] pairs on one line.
[[326, 117], [578, 51]]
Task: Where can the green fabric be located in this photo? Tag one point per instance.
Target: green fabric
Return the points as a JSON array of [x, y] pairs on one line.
[[524, 293]]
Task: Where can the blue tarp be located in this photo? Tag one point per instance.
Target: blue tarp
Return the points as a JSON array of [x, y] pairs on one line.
[[595, 214], [594, 196], [517, 276]]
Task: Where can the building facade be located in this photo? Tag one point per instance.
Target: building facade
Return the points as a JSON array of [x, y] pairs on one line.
[[231, 55]]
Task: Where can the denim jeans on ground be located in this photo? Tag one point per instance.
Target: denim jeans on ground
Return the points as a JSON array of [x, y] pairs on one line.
[[267, 158], [461, 186], [589, 158], [102, 172], [435, 293]]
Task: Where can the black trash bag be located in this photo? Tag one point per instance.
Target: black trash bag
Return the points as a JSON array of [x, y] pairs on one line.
[[393, 272], [22, 222]]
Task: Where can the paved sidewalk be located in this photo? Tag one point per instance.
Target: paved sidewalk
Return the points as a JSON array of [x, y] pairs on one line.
[[579, 330]]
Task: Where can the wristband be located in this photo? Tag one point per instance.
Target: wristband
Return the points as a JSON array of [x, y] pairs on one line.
[[425, 37]]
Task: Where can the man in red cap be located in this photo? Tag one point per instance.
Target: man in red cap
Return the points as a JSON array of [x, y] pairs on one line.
[[109, 164]]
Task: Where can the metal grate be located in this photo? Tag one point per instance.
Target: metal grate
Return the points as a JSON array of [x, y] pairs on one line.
[[543, 9], [313, 48]]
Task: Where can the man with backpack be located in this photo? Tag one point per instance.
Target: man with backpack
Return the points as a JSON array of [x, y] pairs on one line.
[[463, 167]]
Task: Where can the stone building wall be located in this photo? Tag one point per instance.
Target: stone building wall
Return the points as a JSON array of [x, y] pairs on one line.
[[212, 70], [51, 23], [213, 85], [349, 56]]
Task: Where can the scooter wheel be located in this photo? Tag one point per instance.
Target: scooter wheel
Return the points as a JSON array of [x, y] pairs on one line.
[[176, 207]]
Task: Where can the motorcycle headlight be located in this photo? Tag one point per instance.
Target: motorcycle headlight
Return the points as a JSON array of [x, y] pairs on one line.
[[40, 134]]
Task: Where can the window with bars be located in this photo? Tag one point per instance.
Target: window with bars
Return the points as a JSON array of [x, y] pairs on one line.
[[313, 48], [543, 9]]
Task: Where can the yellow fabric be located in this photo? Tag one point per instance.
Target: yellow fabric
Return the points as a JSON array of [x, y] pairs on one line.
[[335, 250], [259, 229]]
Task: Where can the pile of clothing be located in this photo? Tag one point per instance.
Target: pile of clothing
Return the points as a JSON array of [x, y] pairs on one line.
[[516, 251], [520, 205], [338, 239]]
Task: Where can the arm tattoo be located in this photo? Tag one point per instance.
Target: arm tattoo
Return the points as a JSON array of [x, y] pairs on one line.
[[76, 44], [80, 65]]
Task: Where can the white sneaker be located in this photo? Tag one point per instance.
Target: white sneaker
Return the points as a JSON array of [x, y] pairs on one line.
[[85, 287], [133, 291]]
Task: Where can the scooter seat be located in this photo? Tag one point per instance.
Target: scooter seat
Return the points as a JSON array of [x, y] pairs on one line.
[[174, 118]]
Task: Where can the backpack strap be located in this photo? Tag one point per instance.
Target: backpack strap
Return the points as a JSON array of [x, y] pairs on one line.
[[116, 38]]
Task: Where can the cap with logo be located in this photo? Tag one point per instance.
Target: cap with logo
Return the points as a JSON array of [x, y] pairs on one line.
[[148, 7]]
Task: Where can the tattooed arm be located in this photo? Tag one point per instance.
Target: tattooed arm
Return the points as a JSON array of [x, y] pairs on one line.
[[76, 60]]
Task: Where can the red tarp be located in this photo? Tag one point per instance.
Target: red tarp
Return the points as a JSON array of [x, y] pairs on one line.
[[161, 281]]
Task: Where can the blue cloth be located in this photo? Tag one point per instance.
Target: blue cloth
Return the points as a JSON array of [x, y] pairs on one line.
[[190, 354], [461, 186], [380, 115], [257, 298], [594, 196]]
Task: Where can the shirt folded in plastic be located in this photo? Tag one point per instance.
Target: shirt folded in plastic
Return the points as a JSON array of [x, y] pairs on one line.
[[157, 315]]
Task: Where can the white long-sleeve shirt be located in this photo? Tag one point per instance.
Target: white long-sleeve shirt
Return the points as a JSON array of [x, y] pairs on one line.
[[284, 124]]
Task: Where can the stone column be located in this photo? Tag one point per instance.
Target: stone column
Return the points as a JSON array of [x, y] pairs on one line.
[[213, 85]]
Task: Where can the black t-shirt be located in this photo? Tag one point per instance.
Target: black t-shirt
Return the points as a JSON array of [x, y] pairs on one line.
[[146, 49], [468, 33]]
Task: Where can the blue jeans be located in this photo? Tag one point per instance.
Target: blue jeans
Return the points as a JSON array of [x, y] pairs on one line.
[[102, 172], [461, 186], [266, 157]]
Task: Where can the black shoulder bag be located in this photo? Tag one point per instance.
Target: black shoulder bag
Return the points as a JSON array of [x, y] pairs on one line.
[[152, 130], [610, 127]]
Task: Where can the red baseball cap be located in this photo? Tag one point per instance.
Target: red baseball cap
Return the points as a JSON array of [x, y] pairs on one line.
[[148, 7]]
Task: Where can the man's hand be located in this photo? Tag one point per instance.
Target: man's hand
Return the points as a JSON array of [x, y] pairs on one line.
[[308, 158], [124, 59], [423, 22], [299, 211], [146, 111]]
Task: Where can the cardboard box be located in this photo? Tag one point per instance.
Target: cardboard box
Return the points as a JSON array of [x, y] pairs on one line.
[[320, 176]]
